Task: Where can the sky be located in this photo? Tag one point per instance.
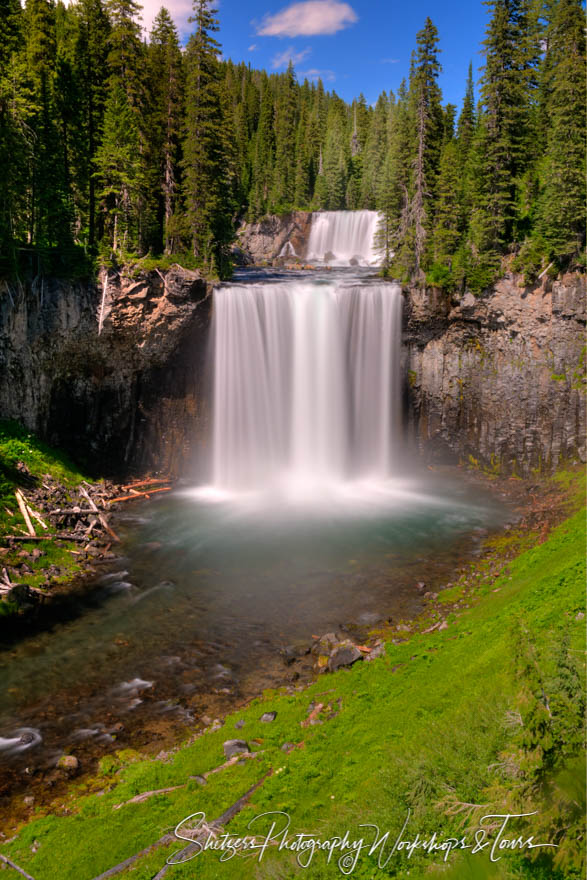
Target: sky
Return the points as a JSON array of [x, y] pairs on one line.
[[355, 46]]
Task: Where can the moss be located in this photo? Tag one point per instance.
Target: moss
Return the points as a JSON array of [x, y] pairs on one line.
[[24, 461]]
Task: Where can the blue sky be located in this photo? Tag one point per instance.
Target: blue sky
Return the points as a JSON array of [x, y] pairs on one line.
[[356, 46]]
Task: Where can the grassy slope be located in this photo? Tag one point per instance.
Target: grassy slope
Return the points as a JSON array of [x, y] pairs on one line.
[[17, 445], [417, 728]]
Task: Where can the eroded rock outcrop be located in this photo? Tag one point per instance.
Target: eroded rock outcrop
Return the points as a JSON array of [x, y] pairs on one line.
[[130, 396], [271, 237], [499, 377]]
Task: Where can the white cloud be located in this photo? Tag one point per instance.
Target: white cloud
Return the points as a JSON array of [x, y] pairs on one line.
[[252, 47], [313, 73], [179, 10], [390, 60], [308, 18], [282, 59]]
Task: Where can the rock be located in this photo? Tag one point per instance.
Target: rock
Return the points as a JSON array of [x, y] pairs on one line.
[[344, 654], [378, 651], [291, 653], [235, 747], [468, 301], [68, 763], [287, 747], [268, 716], [200, 780], [494, 374], [28, 800], [239, 724]]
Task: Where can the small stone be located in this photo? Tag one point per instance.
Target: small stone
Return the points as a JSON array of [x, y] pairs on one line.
[[235, 747], [69, 763], [29, 800], [344, 655], [239, 724], [378, 651], [266, 717], [287, 747], [200, 780]]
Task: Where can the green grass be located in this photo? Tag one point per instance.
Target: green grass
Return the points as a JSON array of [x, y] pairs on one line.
[[422, 728], [18, 448]]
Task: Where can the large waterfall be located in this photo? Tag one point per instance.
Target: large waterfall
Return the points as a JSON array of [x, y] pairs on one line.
[[306, 384], [342, 238]]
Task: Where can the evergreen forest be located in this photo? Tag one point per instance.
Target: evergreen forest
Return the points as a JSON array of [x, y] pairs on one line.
[[114, 146]]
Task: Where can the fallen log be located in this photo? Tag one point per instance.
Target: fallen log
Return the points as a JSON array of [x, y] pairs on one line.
[[146, 483], [23, 509], [15, 867], [101, 517], [79, 539], [170, 838], [139, 495]]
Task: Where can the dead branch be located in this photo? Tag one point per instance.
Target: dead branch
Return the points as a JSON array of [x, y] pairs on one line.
[[216, 824], [23, 509], [169, 838], [146, 483], [15, 867], [139, 495]]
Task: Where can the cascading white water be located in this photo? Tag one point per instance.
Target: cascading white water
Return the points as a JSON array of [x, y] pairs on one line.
[[337, 237], [306, 384]]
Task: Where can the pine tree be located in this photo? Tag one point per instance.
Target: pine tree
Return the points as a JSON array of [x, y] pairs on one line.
[[166, 77], [264, 153], [119, 171], [466, 124], [511, 54], [429, 132], [206, 187], [283, 190], [91, 72], [562, 204]]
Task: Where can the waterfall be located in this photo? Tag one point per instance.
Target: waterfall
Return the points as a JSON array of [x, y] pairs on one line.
[[306, 384], [339, 237]]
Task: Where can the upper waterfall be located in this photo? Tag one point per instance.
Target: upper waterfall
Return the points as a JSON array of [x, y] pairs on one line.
[[344, 238]]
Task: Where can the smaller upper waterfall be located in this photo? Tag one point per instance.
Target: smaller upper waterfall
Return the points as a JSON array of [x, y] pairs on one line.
[[344, 238]]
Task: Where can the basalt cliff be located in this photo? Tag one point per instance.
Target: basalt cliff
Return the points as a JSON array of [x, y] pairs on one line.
[[119, 380]]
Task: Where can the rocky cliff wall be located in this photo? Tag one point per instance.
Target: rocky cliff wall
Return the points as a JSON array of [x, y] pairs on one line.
[[132, 397], [499, 377], [265, 240]]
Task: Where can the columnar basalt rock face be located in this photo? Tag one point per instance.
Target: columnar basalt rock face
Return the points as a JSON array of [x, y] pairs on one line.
[[499, 377], [267, 239], [130, 397]]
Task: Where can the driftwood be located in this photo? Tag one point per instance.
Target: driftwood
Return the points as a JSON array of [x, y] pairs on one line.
[[15, 867], [23, 509], [79, 539], [170, 838], [146, 483], [37, 517], [101, 517], [139, 495], [140, 798]]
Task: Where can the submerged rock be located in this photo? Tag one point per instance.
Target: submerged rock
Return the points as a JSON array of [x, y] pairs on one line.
[[344, 654]]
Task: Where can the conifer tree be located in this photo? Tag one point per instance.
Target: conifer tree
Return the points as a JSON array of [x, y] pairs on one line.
[[166, 77], [206, 187], [562, 204], [429, 133]]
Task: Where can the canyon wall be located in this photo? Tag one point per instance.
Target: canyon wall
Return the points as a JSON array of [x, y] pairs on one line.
[[130, 398], [499, 378]]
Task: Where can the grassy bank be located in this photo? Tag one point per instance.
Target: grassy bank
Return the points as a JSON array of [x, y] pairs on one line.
[[25, 462], [482, 717]]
